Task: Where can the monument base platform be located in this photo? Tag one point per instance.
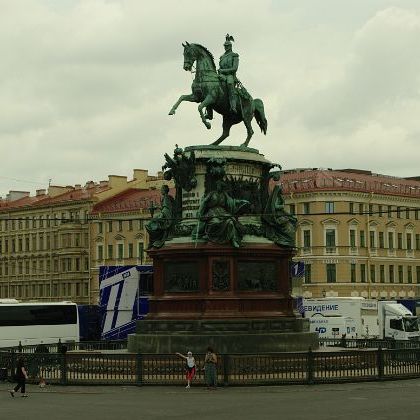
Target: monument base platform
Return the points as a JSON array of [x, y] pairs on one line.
[[226, 336]]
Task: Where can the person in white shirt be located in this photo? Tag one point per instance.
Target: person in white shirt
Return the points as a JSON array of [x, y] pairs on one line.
[[190, 367]]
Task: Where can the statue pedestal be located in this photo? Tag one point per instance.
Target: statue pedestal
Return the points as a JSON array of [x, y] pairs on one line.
[[234, 299], [207, 289]]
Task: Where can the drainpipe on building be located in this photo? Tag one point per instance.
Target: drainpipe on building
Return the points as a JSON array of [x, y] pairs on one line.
[[369, 245]]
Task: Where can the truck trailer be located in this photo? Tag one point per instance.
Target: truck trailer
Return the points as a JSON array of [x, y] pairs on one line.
[[372, 318]]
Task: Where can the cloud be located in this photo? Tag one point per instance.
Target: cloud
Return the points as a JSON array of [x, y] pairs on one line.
[[86, 86]]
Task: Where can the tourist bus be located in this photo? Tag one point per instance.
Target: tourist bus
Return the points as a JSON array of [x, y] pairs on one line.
[[31, 323]]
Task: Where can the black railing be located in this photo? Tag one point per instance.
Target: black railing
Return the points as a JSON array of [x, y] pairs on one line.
[[312, 367], [370, 343]]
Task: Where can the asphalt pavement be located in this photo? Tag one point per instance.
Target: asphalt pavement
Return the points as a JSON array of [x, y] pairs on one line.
[[373, 401]]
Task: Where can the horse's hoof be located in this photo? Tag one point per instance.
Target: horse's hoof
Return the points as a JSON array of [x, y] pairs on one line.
[[171, 112], [243, 145], [208, 125]]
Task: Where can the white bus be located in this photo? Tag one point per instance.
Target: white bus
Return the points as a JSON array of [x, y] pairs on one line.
[[31, 323]]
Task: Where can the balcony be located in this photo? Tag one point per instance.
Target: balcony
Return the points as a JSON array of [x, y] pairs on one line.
[[354, 250], [307, 250], [373, 251], [410, 253], [331, 250], [391, 252]]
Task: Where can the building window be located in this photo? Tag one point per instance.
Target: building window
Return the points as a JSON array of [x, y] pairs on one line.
[[307, 238], [351, 208], [400, 274], [329, 207], [110, 226], [308, 273], [110, 251], [141, 252], [141, 224], [389, 211], [408, 240], [400, 241], [370, 209], [292, 209], [120, 251], [391, 240], [77, 264], [391, 274], [330, 239], [407, 213], [352, 238], [363, 273], [418, 241], [380, 211], [381, 240], [409, 275], [120, 225], [331, 273], [372, 239], [416, 214], [362, 239], [100, 252], [100, 227], [398, 212], [382, 273], [130, 250], [418, 274], [372, 274], [130, 225], [353, 273], [306, 208]]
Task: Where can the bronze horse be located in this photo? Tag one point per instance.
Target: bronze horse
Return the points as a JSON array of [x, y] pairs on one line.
[[211, 92]]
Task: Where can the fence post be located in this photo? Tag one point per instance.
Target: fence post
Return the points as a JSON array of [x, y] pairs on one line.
[[380, 362], [226, 369], [139, 370], [310, 367], [63, 368]]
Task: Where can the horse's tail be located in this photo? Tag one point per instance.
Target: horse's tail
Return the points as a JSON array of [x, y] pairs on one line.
[[260, 115]]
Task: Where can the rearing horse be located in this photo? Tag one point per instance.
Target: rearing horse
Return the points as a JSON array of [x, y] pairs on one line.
[[211, 92]]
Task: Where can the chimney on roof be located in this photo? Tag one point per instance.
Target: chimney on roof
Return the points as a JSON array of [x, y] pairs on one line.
[[160, 174], [16, 195], [77, 187], [89, 184], [117, 181], [103, 183], [41, 192]]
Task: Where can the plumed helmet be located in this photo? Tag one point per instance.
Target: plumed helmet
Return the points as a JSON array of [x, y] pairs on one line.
[[229, 39]]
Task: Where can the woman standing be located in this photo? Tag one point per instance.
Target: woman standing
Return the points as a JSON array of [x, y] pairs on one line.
[[21, 377], [210, 368], [190, 368]]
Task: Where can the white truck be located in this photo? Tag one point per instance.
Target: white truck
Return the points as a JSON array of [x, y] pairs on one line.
[[332, 326], [372, 318]]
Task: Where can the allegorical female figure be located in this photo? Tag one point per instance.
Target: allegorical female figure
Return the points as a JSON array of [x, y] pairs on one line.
[[218, 217], [160, 227], [280, 226]]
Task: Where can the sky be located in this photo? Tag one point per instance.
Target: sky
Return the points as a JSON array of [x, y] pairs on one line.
[[86, 85]]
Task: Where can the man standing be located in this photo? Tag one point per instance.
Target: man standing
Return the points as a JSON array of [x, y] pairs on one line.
[[21, 377], [228, 66]]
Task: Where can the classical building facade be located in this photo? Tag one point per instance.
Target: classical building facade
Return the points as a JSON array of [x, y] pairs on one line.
[[45, 240], [117, 231], [358, 232]]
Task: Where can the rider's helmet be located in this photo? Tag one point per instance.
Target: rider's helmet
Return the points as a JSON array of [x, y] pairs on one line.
[[229, 39]]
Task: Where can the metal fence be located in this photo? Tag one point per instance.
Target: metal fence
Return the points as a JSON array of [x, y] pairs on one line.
[[371, 343], [117, 368]]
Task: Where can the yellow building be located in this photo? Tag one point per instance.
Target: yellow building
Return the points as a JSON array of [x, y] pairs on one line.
[[358, 232], [45, 245], [118, 234]]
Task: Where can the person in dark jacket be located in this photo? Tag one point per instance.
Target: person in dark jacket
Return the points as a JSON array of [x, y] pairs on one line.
[[21, 377]]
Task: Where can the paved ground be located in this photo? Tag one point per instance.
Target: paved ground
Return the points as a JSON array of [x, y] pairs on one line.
[[373, 401]]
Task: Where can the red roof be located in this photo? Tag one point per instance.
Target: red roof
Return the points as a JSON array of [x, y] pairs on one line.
[[348, 180], [130, 200]]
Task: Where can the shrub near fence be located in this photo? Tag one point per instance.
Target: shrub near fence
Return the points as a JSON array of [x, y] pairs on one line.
[[116, 368]]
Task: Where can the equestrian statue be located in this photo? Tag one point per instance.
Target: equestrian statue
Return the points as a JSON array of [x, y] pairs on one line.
[[220, 90]]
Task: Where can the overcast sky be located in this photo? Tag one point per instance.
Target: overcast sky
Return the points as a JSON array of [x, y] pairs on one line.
[[86, 85]]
